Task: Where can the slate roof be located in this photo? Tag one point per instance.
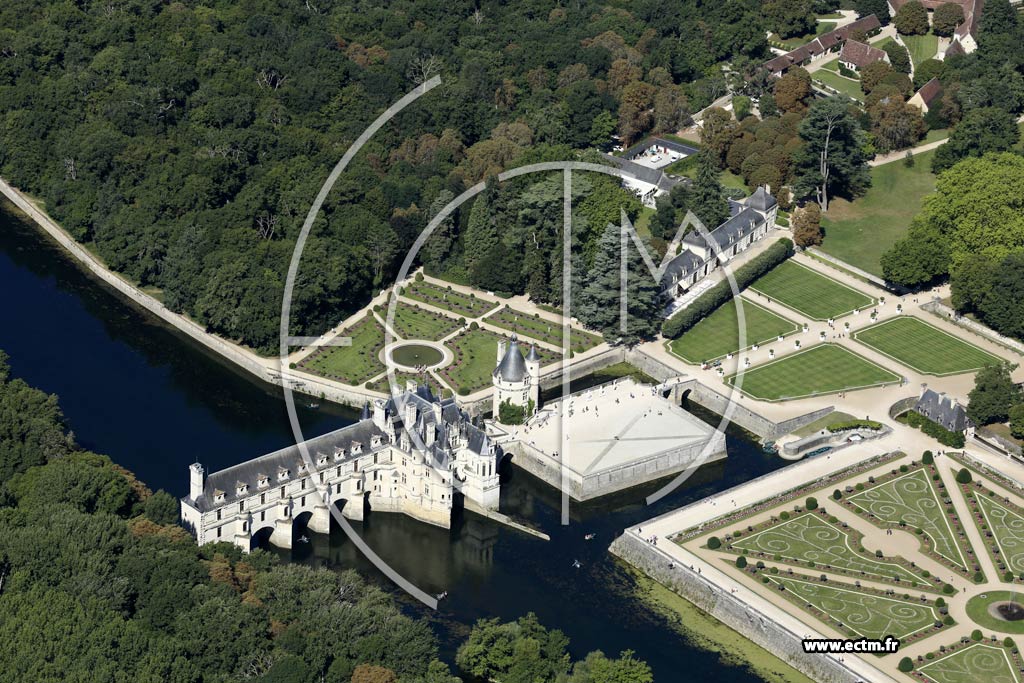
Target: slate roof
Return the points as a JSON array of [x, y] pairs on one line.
[[337, 446], [729, 232], [943, 409], [761, 200], [681, 267], [512, 367], [533, 355], [860, 54]]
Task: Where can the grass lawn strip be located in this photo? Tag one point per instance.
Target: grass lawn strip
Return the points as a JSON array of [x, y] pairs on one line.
[[541, 329], [807, 538], [912, 499], [463, 305], [475, 357], [813, 371], [413, 322], [809, 292], [973, 664], [718, 334], [351, 364], [923, 347], [866, 615]]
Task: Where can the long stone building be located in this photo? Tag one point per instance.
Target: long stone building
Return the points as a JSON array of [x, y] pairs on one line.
[[413, 454]]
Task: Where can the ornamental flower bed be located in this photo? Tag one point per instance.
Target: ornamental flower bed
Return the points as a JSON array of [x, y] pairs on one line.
[[923, 660], [543, 329], [949, 514], [765, 574], [971, 491], [787, 497], [856, 538], [467, 305], [352, 364]]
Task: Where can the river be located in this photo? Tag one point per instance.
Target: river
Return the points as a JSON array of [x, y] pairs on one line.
[[155, 402]]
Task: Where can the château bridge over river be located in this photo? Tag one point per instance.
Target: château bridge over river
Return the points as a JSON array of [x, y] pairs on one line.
[[156, 402]]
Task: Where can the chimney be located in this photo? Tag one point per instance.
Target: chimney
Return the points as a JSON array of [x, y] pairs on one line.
[[196, 480], [501, 350], [924, 388]]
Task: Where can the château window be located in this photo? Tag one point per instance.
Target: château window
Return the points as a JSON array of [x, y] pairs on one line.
[[241, 506]]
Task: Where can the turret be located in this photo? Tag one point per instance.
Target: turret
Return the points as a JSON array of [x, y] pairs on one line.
[[196, 480]]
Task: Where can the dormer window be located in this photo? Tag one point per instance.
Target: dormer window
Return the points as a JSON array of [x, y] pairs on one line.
[[321, 459], [282, 474], [357, 448], [262, 481], [339, 453], [241, 488], [302, 467], [218, 496], [375, 441]]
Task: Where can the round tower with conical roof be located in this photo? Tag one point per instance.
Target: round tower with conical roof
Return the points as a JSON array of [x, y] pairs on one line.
[[516, 380]]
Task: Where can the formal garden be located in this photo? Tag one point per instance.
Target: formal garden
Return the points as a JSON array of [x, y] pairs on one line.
[[923, 347], [541, 329], [810, 293], [718, 334], [827, 562], [814, 371], [414, 322], [353, 364], [475, 352], [446, 298]]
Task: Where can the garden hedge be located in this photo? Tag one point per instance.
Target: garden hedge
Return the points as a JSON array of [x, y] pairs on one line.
[[708, 302]]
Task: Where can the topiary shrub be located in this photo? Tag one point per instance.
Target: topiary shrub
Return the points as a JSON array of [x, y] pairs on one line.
[[927, 458], [419, 277], [976, 635], [811, 504], [714, 543], [741, 562], [906, 665], [963, 476], [783, 515], [837, 494]]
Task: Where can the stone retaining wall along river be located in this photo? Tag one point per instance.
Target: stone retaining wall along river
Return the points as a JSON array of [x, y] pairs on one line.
[[731, 610]]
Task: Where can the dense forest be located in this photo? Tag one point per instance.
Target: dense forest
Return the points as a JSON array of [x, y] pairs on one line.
[[183, 142], [99, 583]]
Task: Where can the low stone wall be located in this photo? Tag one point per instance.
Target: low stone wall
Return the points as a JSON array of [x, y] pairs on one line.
[[843, 265], [731, 610], [936, 307], [1006, 445], [831, 438], [651, 365], [901, 406]]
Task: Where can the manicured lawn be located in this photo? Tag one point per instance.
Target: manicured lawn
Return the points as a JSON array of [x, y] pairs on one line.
[[978, 606], [847, 86], [351, 364], [863, 613], [974, 663], [921, 47], [924, 347], [542, 329], [718, 334], [1007, 526], [912, 500], [808, 538], [807, 291], [821, 369], [465, 305], [859, 232], [413, 322], [836, 416], [475, 359]]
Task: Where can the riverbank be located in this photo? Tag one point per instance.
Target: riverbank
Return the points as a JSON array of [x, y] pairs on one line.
[[704, 631]]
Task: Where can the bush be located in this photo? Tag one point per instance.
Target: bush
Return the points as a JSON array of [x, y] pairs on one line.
[[812, 504], [783, 515], [853, 424], [709, 302], [935, 430], [419, 277], [976, 635], [714, 543], [948, 589], [963, 476], [741, 562], [837, 494], [906, 665], [978, 577], [927, 458], [1008, 642]]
